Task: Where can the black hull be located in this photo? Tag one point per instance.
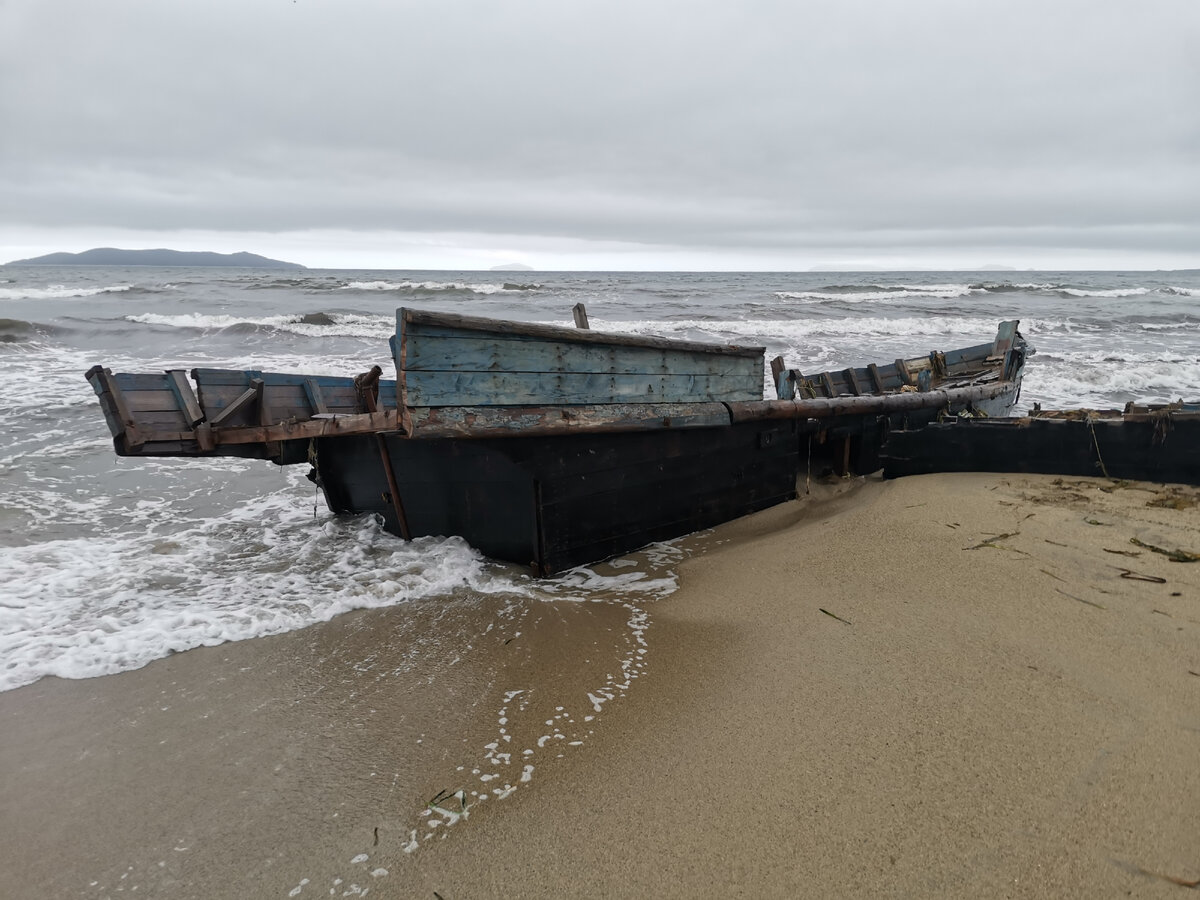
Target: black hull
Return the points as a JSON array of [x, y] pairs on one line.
[[1163, 450], [557, 502]]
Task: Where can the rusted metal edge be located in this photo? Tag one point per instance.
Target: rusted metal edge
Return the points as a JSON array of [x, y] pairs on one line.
[[518, 421]]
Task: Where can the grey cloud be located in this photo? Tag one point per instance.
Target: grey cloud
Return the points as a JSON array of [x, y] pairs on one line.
[[677, 124]]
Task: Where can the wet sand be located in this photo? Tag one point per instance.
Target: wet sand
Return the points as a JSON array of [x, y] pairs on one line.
[[938, 686]]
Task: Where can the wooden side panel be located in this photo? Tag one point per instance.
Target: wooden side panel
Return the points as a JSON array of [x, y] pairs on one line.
[[1122, 449], [514, 388], [594, 495], [455, 361], [469, 352], [967, 358], [286, 395]]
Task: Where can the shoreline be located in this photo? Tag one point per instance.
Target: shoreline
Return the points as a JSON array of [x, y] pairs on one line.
[[925, 687]]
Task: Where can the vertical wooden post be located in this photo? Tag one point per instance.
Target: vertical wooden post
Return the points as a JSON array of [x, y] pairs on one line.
[[580, 313], [777, 368], [367, 385]]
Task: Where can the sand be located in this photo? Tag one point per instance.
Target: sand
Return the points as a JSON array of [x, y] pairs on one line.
[[933, 687]]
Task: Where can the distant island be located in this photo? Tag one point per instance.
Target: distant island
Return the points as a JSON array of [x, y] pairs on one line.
[[512, 267], [110, 256]]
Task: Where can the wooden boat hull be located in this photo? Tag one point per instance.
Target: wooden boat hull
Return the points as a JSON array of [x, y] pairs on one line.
[[553, 446], [557, 502]]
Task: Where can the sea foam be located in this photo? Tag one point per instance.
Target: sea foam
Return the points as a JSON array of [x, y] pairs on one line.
[[95, 605]]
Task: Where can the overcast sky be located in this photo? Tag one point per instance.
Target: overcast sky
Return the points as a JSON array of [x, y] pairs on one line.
[[745, 134]]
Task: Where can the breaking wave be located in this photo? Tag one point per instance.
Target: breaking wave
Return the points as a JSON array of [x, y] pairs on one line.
[[440, 287], [60, 292], [318, 324], [884, 293]]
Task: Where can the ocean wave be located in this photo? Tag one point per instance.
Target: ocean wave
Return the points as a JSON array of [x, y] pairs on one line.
[[1113, 293], [60, 292], [309, 324], [80, 608], [859, 293], [756, 330], [19, 330], [877, 293], [442, 287], [1080, 378]]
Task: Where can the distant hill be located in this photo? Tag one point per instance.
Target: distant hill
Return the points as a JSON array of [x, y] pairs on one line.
[[110, 256], [512, 267]]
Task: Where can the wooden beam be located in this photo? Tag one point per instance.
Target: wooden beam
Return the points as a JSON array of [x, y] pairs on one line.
[[252, 395], [369, 382], [505, 329], [182, 388], [876, 379], [778, 367], [124, 428], [852, 380], [316, 399], [323, 426], [579, 311], [520, 421], [868, 404]]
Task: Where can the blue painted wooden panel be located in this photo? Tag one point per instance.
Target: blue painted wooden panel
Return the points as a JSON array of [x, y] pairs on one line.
[[976, 354], [540, 388], [469, 353], [446, 365], [141, 382], [285, 395]]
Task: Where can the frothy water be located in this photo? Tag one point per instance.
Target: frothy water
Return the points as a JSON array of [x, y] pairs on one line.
[[107, 564]]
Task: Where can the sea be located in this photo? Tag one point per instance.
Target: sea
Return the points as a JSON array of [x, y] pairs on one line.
[[107, 564]]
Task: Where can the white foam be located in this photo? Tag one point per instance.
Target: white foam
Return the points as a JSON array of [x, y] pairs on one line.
[[429, 286], [1088, 380], [886, 293], [344, 324], [95, 605], [59, 292], [1113, 293]]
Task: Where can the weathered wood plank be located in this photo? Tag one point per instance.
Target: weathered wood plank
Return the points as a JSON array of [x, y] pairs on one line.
[[493, 421], [188, 403], [824, 408], [316, 399], [334, 426], [156, 400], [252, 395], [141, 381], [968, 356], [851, 379], [538, 388], [430, 323], [470, 352]]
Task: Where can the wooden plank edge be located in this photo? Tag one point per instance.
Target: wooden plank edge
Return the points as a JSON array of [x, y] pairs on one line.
[[419, 317]]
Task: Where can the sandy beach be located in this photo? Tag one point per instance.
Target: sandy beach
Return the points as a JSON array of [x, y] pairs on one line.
[[945, 686]]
